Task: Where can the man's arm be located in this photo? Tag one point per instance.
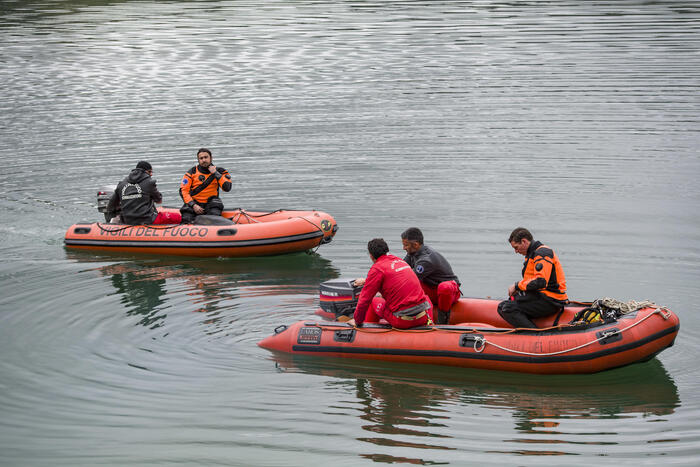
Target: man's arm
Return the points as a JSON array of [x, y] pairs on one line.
[[543, 261], [112, 206], [370, 289], [223, 178], [423, 269], [156, 195], [185, 188]]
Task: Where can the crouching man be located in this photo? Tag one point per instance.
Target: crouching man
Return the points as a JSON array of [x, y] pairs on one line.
[[403, 304]]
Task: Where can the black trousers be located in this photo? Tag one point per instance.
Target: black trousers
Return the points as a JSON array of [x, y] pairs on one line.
[[213, 207], [525, 306]]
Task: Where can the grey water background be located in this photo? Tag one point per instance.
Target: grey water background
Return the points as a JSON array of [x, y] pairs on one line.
[[579, 120]]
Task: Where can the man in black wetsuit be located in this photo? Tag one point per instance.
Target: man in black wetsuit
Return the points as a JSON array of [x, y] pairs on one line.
[[434, 272]]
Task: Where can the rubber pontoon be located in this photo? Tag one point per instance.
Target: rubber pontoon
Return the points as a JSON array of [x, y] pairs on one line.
[[246, 234], [477, 337]]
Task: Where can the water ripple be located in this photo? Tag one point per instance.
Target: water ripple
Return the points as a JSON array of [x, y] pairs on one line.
[[465, 118]]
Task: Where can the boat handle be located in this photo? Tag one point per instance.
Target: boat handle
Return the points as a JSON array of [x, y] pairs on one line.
[[227, 232], [609, 336]]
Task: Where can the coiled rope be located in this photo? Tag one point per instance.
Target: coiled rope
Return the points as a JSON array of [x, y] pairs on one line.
[[623, 307]]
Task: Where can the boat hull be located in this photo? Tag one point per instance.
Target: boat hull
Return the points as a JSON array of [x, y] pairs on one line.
[[485, 344], [253, 234]]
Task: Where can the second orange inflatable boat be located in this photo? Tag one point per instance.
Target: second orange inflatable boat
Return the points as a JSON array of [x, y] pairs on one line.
[[248, 234], [477, 337]]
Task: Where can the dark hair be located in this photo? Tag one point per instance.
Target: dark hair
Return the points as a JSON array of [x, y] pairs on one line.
[[377, 247], [203, 150], [144, 165], [518, 234], [413, 234]]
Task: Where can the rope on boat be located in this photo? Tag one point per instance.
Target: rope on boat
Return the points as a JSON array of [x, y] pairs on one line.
[[250, 217], [166, 227], [480, 342], [608, 309], [318, 228], [623, 307], [236, 217], [273, 212]]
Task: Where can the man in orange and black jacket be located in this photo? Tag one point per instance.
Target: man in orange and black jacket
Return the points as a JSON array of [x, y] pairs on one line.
[[542, 291], [200, 188]]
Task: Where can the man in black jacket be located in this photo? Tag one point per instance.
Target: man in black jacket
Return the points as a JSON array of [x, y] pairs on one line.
[[433, 271], [136, 196]]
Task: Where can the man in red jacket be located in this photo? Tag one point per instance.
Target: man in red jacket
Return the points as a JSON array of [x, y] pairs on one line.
[[403, 304]]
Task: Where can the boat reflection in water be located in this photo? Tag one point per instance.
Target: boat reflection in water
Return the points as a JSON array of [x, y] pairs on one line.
[[150, 286], [403, 404]]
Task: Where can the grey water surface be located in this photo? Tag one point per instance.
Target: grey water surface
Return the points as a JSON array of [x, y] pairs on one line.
[[579, 120]]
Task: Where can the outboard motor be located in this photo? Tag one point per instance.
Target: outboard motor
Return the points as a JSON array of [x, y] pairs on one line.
[[338, 297], [103, 196]]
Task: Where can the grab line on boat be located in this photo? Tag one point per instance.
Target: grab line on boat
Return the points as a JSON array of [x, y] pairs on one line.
[[241, 212], [480, 342], [317, 227], [166, 227]]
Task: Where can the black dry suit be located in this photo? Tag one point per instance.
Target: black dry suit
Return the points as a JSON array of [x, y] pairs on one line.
[[136, 196]]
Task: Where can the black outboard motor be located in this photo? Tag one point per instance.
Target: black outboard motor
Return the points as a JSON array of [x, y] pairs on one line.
[[103, 196], [338, 297]]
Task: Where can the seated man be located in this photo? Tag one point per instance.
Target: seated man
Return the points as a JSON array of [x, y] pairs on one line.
[[542, 292], [434, 272], [403, 303], [200, 188], [136, 196]]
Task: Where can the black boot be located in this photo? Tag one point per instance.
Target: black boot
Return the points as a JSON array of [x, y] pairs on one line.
[[443, 317]]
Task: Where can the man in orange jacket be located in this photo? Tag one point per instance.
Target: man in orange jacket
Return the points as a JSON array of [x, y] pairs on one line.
[[542, 291], [200, 188]]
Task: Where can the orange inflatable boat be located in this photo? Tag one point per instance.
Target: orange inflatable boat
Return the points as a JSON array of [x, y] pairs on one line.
[[242, 233], [477, 337]]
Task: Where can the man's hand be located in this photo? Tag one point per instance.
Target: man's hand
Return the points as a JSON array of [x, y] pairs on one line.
[[198, 209], [351, 321], [359, 282], [511, 290], [212, 169]]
